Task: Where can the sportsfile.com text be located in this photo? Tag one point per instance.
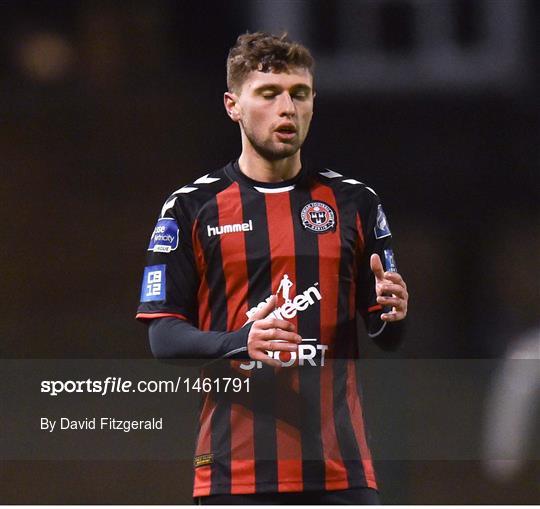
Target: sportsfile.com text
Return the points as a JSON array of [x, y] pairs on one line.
[[115, 385]]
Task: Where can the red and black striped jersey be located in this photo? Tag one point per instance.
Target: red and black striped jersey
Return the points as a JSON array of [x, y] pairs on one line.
[[221, 247]]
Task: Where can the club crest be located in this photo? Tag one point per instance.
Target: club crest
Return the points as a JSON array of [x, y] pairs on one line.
[[318, 217]]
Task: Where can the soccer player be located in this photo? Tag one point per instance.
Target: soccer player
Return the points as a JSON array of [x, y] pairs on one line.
[[222, 250]]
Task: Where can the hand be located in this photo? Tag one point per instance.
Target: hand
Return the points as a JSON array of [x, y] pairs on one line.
[[270, 334], [391, 290]]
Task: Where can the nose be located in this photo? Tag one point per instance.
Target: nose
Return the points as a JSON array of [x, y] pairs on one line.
[[286, 105]]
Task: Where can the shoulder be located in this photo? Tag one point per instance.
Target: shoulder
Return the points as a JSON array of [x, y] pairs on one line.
[[190, 198], [345, 186], [361, 197]]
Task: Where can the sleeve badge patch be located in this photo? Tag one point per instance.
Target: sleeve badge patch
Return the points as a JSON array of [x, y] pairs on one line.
[[154, 285], [382, 228], [389, 260], [165, 236]]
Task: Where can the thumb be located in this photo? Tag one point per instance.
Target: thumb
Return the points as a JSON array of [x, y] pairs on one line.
[[376, 266], [265, 310]]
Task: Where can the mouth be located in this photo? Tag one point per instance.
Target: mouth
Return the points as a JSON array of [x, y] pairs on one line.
[[285, 131]]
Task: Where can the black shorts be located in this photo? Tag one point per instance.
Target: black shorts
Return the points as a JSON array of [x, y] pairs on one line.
[[353, 496]]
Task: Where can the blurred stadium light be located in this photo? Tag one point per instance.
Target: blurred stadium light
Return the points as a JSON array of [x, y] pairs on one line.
[[45, 56]]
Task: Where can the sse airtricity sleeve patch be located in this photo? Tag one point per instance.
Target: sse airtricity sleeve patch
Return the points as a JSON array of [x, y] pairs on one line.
[[165, 236], [382, 228], [154, 285]]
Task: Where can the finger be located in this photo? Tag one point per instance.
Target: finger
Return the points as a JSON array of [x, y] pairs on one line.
[[393, 316], [392, 289], [390, 301], [376, 266], [265, 310], [263, 357], [274, 323], [279, 335], [395, 277], [277, 346]]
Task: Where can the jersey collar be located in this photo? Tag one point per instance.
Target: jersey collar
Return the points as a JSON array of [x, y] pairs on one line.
[[234, 172]]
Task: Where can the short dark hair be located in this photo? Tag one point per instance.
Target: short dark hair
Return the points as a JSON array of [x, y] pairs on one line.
[[261, 51]]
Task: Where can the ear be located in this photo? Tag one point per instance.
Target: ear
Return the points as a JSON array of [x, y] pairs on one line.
[[230, 100]]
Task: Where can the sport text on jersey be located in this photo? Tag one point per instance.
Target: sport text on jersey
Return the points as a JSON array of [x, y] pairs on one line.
[[230, 228], [309, 352]]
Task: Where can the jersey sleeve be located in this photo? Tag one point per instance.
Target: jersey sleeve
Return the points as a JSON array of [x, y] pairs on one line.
[[170, 278], [377, 239]]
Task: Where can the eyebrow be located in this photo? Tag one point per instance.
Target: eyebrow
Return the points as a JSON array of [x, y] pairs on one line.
[[270, 86]]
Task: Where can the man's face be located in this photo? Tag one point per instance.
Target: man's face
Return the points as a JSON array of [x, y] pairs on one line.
[[274, 111]]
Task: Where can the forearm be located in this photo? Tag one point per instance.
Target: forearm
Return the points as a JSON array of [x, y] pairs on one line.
[[172, 338]]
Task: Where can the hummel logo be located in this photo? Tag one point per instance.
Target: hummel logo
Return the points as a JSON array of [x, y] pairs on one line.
[[230, 228]]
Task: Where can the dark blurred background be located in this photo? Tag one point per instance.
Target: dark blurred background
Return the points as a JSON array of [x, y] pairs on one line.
[[106, 107]]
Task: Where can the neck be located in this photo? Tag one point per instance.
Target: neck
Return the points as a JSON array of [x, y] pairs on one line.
[[258, 168]]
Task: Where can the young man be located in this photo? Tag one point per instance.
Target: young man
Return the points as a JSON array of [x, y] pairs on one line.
[[269, 261]]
